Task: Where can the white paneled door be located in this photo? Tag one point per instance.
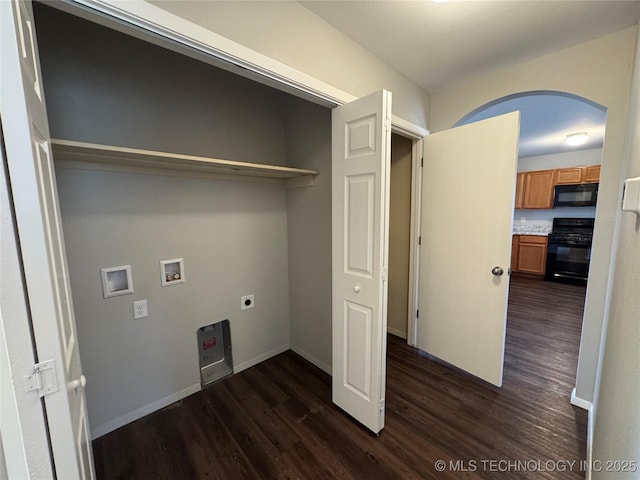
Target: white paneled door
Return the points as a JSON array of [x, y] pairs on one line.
[[468, 190], [361, 141], [35, 198]]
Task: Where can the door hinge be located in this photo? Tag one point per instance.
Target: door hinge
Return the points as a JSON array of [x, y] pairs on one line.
[[417, 313], [387, 124], [422, 162], [381, 405], [420, 240], [42, 378], [385, 273]]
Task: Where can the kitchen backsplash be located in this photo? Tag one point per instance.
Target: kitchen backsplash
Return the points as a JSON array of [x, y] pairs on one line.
[[540, 221]]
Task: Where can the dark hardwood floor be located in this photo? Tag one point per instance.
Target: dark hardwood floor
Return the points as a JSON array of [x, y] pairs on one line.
[[276, 420]]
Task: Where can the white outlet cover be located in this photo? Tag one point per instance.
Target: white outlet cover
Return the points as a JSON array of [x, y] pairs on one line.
[[140, 309], [247, 302]]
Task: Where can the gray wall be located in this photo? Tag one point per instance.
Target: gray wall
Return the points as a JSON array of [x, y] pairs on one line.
[[309, 233], [233, 238], [289, 33], [617, 417], [104, 87]]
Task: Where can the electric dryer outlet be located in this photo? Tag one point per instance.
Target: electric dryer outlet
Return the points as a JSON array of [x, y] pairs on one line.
[[247, 302]]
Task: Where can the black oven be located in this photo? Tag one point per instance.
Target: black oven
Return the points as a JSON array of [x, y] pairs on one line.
[[582, 195], [569, 250]]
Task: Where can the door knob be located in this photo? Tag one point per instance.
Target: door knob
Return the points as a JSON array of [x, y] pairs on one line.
[[78, 382], [356, 288], [497, 271]]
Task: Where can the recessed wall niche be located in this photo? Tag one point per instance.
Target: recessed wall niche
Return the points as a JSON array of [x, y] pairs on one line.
[[116, 281], [172, 272]]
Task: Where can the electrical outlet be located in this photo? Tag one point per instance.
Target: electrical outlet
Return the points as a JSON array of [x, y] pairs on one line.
[[140, 309], [247, 302]]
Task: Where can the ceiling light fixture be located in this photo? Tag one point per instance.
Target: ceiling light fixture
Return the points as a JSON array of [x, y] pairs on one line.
[[576, 139]]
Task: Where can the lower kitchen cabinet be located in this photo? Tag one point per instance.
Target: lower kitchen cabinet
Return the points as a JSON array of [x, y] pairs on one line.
[[529, 254]]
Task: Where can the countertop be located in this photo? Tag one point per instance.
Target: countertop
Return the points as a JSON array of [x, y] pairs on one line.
[[531, 230]]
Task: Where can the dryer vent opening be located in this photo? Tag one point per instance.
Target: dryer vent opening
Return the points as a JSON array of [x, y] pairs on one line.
[[214, 348]]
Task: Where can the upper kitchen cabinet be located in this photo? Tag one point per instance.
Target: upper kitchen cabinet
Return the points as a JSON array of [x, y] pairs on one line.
[[573, 175], [538, 189], [591, 174], [569, 175]]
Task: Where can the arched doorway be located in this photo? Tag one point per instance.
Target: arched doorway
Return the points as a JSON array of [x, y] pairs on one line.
[[547, 117]]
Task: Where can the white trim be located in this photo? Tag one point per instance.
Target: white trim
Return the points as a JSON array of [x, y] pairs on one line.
[[260, 358], [148, 22], [414, 247], [407, 129], [133, 415], [325, 367], [156, 405], [396, 332], [589, 459], [588, 406], [579, 402], [160, 22]]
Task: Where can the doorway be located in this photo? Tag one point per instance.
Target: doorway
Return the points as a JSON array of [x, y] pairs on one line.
[[547, 119], [399, 235]]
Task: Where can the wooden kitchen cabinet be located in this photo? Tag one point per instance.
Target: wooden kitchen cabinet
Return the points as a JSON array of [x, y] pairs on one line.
[[531, 254], [569, 175], [574, 175], [538, 189], [520, 190], [515, 240], [592, 174]]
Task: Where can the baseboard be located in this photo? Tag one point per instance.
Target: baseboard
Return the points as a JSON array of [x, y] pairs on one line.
[[587, 474], [129, 417], [307, 356], [260, 358], [396, 332], [588, 406], [579, 402]]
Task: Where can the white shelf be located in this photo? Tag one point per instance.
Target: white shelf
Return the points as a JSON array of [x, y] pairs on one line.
[[94, 156]]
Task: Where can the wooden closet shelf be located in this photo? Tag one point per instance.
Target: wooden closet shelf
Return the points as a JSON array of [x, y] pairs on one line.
[[76, 154]]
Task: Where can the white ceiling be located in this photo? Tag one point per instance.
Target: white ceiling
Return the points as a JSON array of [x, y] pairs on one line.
[[438, 44]]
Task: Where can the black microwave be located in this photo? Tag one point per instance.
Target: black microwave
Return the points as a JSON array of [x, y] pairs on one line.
[[582, 195]]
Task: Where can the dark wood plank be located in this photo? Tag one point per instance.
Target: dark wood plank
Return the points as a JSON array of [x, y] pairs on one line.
[[276, 420]]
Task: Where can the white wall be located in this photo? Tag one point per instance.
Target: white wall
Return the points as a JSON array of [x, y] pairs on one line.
[[599, 70], [291, 34], [559, 160], [592, 156], [109, 88], [309, 233], [617, 417]]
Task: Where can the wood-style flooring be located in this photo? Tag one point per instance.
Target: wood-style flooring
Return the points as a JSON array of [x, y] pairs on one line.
[[276, 420]]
